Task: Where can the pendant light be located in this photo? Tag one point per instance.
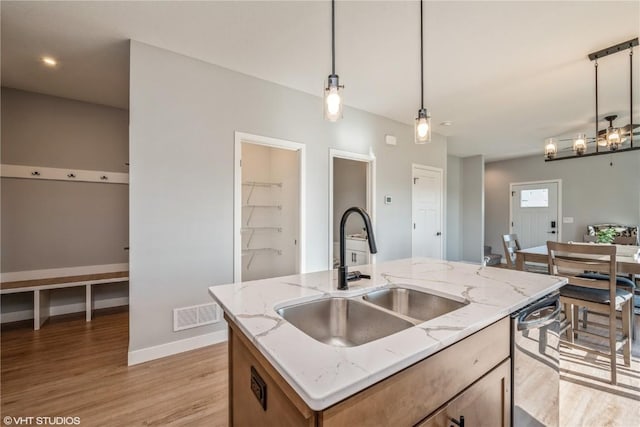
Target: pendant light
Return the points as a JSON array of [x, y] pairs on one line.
[[332, 93], [423, 121]]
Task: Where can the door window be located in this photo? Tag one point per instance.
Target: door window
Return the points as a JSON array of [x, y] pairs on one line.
[[537, 198]]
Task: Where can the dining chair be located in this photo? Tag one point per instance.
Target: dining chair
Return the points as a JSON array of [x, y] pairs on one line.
[[596, 295], [511, 245]]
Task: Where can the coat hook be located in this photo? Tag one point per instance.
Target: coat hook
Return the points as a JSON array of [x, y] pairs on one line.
[[35, 173], [104, 177], [71, 175]]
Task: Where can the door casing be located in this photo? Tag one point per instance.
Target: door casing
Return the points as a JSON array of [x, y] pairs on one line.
[[370, 159], [241, 137], [559, 220]]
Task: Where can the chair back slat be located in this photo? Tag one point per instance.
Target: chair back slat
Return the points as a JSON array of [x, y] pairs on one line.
[[580, 266], [588, 283]]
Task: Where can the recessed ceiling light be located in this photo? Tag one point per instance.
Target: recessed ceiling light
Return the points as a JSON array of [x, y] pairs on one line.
[[446, 123], [47, 60]]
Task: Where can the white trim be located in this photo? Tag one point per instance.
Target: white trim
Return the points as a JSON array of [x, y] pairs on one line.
[[370, 159], [57, 174], [546, 181], [16, 276], [56, 310], [241, 137], [417, 166], [175, 347]]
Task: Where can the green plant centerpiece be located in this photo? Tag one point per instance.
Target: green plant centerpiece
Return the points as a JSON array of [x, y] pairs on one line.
[[605, 235]]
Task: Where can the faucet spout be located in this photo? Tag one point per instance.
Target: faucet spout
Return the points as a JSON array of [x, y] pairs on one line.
[[342, 269]]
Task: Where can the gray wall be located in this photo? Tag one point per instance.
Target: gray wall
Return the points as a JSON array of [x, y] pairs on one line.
[[54, 224], [473, 208], [454, 208], [593, 191], [183, 116], [349, 189]]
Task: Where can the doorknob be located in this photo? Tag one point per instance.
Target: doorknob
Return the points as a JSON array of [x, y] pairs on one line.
[[551, 232], [438, 233]]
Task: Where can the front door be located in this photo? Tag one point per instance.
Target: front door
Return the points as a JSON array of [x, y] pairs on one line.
[[534, 213], [427, 212]]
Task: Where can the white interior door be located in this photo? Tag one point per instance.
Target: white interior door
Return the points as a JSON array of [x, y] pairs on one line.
[[535, 213], [427, 240]]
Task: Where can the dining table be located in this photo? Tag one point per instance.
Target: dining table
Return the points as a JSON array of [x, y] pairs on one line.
[[627, 257]]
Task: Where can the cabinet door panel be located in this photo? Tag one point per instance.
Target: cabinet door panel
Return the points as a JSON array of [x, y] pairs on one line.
[[486, 403]]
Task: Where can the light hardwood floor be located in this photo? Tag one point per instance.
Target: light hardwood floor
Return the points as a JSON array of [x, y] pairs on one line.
[[73, 368]]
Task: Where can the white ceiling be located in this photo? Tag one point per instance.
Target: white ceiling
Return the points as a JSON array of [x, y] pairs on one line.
[[508, 74]]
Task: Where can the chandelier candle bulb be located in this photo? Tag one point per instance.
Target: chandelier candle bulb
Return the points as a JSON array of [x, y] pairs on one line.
[[580, 144], [550, 148]]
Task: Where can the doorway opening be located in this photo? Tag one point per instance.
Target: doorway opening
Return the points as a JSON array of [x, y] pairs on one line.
[[427, 211], [535, 212], [351, 183], [269, 207]]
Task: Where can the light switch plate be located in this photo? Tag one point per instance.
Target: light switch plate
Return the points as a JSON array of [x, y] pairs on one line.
[[387, 200], [390, 140], [567, 220]]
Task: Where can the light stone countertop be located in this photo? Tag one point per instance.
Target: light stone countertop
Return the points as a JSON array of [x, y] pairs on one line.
[[324, 375]]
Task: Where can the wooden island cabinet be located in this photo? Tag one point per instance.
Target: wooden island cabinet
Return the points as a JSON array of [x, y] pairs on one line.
[[469, 379]]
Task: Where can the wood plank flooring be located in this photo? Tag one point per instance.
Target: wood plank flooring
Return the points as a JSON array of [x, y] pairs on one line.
[[74, 368], [79, 369]]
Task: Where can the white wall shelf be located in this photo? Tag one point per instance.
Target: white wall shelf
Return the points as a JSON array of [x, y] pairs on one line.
[[58, 174], [263, 206], [262, 184]]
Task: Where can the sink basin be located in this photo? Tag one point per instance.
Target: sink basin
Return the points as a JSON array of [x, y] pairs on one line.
[[411, 303], [342, 322]]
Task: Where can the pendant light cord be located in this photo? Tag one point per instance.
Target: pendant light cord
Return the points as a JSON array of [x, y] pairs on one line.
[[333, 38], [631, 96], [421, 60], [597, 142]]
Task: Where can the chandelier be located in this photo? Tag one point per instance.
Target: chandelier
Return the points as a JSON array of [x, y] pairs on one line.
[[612, 139]]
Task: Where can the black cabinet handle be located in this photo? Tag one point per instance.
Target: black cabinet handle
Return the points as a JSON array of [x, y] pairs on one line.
[[458, 423]]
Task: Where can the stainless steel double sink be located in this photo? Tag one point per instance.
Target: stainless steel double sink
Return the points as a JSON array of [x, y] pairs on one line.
[[349, 322]]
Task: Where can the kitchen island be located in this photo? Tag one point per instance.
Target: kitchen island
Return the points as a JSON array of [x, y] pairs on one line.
[[279, 375]]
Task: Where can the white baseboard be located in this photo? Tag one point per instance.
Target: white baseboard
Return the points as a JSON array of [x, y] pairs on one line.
[[14, 276], [57, 310], [175, 347]]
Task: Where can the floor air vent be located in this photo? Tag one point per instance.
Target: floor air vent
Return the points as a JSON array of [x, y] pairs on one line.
[[197, 315]]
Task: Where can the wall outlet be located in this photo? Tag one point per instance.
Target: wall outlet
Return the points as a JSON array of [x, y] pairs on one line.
[[567, 220], [387, 200]]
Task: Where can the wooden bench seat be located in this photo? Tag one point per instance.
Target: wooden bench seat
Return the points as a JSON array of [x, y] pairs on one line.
[[41, 288]]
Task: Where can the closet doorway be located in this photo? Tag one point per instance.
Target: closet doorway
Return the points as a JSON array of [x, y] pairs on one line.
[[351, 183], [269, 204]]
